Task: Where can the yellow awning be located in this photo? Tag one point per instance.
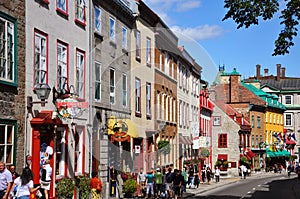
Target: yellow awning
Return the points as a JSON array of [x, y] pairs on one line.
[[122, 125]]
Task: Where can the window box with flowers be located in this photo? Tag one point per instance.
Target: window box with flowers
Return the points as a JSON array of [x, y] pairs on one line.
[[65, 188], [164, 146]]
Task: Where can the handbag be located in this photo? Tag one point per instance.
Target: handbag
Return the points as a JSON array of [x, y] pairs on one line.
[[16, 195]]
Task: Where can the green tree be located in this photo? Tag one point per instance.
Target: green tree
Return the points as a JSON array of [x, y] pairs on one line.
[[248, 12]]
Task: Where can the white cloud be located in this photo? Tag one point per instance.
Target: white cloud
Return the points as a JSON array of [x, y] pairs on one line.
[[188, 5], [197, 33]]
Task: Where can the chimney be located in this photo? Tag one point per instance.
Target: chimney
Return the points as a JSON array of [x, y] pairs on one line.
[[234, 82], [278, 71], [283, 72], [257, 71], [266, 72]]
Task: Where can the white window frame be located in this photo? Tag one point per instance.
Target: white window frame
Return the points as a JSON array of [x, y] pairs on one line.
[[62, 5], [7, 51], [112, 29], [138, 44], [217, 121], [80, 12], [148, 51], [80, 70], [286, 123], [148, 99], [124, 90], [40, 58], [98, 21], [79, 150], [112, 86], [9, 142], [137, 95], [124, 38], [62, 66], [60, 152], [98, 80], [258, 122], [286, 101], [167, 63]]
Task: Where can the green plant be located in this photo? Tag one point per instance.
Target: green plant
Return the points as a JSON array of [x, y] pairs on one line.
[[130, 186], [164, 146], [244, 160], [65, 188], [218, 163], [204, 152], [83, 185], [187, 162]]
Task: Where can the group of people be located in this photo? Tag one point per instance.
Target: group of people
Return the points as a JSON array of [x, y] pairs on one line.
[[169, 183]]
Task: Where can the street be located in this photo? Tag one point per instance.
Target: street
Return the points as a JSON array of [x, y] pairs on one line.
[[262, 186]]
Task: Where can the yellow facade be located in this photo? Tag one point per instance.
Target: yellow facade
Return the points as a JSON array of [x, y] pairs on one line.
[[273, 124]]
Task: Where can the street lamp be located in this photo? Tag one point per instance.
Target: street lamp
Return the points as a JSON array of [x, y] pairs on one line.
[[42, 92]]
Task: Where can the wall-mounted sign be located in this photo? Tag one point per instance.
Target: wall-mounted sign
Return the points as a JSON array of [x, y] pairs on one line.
[[69, 108]]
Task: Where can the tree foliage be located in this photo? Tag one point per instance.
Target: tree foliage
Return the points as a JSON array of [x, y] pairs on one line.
[[248, 12]]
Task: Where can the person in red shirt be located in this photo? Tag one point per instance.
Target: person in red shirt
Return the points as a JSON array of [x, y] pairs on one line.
[[96, 186]]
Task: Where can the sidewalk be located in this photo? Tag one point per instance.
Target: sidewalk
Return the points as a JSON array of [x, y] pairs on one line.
[[206, 187]]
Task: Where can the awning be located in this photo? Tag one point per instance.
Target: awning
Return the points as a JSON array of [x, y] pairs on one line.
[[250, 154], [222, 156], [185, 140], [278, 153], [44, 117]]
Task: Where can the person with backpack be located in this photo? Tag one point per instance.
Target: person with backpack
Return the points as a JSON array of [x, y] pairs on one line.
[[24, 185], [46, 178]]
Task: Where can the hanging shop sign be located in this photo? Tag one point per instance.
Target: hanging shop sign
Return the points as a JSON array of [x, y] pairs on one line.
[[69, 108]]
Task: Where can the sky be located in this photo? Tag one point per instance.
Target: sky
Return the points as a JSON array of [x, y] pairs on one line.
[[212, 42]]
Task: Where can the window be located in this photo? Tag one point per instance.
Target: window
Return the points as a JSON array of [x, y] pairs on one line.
[[252, 121], [256, 141], [217, 121], [288, 99], [252, 141], [7, 50], [148, 103], [112, 85], [40, 58], [7, 133], [124, 37], [79, 150], [112, 29], [62, 6], [124, 92], [62, 64], [80, 11], [148, 51], [167, 63], [222, 141], [138, 96], [97, 19], [97, 81], [288, 119], [180, 75], [258, 121], [80, 69], [138, 45], [60, 148]]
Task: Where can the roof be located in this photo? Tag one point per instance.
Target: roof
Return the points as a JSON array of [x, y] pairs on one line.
[[286, 84], [271, 100]]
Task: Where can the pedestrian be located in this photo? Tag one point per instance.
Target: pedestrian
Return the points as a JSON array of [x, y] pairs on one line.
[[177, 181], [169, 180], [192, 177], [46, 178], [158, 182], [149, 184], [5, 181], [95, 186], [141, 179], [203, 174], [217, 174], [12, 169], [197, 180], [208, 175], [24, 184], [184, 174]]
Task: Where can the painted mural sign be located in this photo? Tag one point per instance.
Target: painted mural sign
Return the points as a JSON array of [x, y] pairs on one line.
[[69, 108]]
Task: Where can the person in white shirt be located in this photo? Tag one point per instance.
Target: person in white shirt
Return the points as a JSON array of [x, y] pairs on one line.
[[217, 174], [46, 178], [25, 184]]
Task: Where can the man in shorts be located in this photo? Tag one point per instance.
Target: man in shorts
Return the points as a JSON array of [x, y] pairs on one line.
[[46, 178]]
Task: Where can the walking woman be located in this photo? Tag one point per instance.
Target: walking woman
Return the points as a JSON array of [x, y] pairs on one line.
[[25, 184]]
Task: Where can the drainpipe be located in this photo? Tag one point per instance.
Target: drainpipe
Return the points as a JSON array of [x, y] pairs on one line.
[[90, 112]]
